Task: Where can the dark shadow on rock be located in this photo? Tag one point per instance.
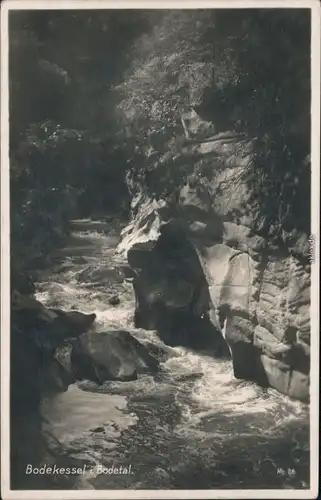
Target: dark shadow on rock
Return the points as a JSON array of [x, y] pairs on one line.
[[44, 325], [71, 324], [34, 372], [180, 328], [114, 300], [172, 293], [239, 335], [21, 281], [260, 373], [112, 355], [245, 364]]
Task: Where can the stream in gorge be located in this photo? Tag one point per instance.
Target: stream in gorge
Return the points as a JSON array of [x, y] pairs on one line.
[[192, 425]]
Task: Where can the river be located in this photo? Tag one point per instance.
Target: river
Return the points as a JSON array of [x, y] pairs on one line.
[[192, 426]]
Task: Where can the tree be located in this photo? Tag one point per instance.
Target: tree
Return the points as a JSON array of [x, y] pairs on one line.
[[257, 63], [62, 65]]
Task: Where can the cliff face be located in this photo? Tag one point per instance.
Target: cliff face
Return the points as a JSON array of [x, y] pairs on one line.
[[208, 263]]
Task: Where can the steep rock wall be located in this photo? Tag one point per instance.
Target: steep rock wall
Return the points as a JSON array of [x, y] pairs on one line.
[[205, 258]]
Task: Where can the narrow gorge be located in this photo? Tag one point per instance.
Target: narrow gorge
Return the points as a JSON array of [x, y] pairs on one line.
[[210, 333], [161, 263]]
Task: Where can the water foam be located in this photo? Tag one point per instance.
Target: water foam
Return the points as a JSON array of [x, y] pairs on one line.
[[214, 406]]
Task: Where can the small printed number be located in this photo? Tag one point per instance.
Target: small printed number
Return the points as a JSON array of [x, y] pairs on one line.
[[283, 472]]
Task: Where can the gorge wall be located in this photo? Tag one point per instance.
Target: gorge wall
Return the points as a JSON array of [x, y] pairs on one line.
[[207, 261]]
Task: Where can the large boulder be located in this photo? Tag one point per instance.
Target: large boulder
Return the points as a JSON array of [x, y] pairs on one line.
[[71, 324], [38, 366], [111, 355], [47, 326]]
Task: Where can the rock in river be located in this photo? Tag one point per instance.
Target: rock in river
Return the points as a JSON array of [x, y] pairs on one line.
[[111, 355], [114, 300], [73, 323], [47, 327]]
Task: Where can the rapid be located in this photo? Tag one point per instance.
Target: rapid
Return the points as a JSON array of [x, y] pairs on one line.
[[191, 426]]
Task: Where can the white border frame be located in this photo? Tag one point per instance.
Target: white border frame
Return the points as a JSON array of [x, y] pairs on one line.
[[312, 493]]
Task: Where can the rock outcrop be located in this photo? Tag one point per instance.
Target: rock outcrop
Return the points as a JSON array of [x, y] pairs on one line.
[[37, 334], [112, 355], [36, 369], [171, 291], [47, 325], [205, 262]]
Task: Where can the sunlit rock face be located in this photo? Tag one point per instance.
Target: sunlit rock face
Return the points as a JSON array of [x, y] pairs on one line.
[[204, 270]]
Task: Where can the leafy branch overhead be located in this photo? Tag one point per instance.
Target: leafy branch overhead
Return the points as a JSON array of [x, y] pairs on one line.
[[98, 97], [245, 71]]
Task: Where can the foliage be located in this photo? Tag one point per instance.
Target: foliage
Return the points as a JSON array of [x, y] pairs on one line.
[[267, 95], [64, 152], [96, 96], [245, 70]]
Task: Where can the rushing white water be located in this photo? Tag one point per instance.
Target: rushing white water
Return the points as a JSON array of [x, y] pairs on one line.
[[191, 426]]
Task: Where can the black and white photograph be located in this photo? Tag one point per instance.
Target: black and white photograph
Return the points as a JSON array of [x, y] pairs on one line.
[[160, 167]]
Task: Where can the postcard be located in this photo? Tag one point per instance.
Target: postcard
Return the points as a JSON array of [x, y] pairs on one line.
[[160, 211]]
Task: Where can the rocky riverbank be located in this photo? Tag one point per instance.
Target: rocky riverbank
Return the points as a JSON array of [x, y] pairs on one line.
[[116, 394], [205, 276], [50, 350]]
